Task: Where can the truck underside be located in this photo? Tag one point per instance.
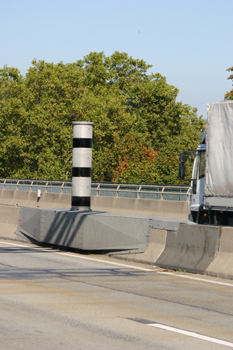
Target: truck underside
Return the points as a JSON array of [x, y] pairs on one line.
[[212, 217]]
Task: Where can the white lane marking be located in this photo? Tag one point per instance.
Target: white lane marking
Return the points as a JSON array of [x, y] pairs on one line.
[[192, 334], [195, 278], [77, 256], [106, 262]]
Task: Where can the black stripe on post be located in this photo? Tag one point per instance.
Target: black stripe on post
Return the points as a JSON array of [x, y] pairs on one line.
[[81, 172], [82, 143], [81, 201]]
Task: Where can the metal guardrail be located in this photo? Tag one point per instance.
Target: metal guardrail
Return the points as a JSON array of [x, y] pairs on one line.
[[141, 191]]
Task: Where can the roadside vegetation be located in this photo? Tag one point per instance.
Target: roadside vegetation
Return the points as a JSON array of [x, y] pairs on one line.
[[140, 129]]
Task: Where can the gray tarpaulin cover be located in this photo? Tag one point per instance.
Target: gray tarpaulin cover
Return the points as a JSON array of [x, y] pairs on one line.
[[219, 150]]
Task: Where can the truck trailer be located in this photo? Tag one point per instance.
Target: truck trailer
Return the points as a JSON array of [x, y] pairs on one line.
[[211, 191]]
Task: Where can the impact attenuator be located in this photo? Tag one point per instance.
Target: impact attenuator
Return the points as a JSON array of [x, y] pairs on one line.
[[80, 227]]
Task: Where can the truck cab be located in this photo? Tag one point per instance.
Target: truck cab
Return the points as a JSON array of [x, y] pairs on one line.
[[211, 191], [196, 203]]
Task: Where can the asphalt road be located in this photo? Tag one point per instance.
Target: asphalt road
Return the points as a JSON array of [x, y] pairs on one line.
[[51, 299]]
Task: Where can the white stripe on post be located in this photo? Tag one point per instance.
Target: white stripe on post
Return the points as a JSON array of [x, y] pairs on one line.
[[82, 165]]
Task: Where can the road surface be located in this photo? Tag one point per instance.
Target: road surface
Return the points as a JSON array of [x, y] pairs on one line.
[[52, 299]]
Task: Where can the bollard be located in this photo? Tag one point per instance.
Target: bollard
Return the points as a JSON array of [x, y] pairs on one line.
[[82, 165]]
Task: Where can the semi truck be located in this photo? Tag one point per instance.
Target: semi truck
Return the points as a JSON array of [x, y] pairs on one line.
[[211, 191]]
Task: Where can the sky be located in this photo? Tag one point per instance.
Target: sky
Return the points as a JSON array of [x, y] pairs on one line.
[[190, 42]]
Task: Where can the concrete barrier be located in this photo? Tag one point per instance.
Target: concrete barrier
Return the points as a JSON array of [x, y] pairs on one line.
[[29, 199], [222, 264], [185, 246], [191, 248], [155, 248], [150, 207], [8, 221], [16, 199]]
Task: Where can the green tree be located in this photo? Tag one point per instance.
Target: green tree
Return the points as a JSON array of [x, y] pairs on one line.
[[146, 115], [139, 128], [11, 120], [36, 115], [229, 95]]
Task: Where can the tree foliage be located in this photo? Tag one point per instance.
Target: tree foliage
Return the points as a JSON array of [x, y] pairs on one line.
[[229, 95], [140, 129]]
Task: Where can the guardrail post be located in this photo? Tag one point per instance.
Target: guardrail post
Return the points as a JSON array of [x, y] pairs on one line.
[[138, 192], [117, 190], [97, 190], [162, 193], [188, 195]]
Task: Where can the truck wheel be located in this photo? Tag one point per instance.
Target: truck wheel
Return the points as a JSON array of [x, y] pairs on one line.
[[204, 220], [192, 216]]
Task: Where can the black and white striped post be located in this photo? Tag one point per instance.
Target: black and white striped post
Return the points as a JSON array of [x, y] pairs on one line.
[[82, 165]]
